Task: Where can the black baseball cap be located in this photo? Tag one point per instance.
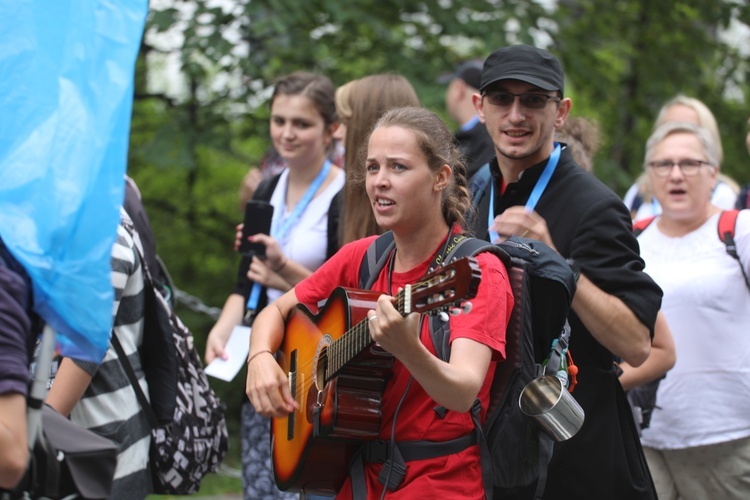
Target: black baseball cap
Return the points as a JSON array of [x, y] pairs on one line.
[[468, 71], [525, 63]]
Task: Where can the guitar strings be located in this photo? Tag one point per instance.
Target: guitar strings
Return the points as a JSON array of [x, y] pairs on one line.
[[354, 340], [345, 348]]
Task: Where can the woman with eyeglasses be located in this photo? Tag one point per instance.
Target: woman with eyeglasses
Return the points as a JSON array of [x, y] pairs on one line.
[[698, 443], [640, 199]]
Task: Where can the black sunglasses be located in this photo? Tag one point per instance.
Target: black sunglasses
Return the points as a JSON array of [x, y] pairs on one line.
[[530, 101]]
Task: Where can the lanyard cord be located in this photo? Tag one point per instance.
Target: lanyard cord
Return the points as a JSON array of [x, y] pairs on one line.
[[536, 193], [280, 230]]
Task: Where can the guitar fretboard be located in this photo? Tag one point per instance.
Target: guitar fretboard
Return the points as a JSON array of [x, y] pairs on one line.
[[357, 339]]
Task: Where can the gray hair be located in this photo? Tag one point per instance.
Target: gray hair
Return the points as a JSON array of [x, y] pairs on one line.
[[664, 130]]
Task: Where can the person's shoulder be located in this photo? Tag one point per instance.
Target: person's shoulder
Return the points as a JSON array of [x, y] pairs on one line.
[[491, 261], [742, 227], [585, 188], [359, 246], [126, 231], [265, 189], [339, 180], [352, 251], [724, 196]]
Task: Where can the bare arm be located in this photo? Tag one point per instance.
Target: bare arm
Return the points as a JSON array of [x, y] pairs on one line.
[[612, 323], [267, 385], [14, 448], [231, 316], [659, 362], [70, 383], [455, 384], [262, 273]]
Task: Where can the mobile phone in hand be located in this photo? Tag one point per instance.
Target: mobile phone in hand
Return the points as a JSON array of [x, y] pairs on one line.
[[258, 216]]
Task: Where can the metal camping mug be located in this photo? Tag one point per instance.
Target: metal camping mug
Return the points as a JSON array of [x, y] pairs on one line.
[[550, 405]]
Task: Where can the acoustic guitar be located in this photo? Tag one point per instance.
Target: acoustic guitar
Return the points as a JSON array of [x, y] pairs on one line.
[[337, 376]]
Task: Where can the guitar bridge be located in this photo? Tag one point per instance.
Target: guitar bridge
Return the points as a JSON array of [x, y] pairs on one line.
[[316, 417], [293, 390]]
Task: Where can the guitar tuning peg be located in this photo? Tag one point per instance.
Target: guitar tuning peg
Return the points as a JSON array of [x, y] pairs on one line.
[[455, 311], [466, 307], [443, 316]]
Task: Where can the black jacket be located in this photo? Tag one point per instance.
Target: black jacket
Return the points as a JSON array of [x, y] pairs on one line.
[[476, 146], [588, 222]]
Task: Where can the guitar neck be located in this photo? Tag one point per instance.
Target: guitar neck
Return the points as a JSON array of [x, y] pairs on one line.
[[358, 338]]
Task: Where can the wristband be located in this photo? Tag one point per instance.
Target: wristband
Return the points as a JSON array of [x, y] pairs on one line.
[[250, 358]]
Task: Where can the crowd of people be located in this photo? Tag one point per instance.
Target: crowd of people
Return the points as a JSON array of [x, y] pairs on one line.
[[346, 165]]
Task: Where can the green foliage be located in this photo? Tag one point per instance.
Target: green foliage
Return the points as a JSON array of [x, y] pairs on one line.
[[625, 59]]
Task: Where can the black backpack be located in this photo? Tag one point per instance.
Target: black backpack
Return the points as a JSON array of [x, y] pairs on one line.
[[517, 452]]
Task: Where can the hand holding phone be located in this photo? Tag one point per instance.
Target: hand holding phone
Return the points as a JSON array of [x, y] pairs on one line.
[[258, 216]]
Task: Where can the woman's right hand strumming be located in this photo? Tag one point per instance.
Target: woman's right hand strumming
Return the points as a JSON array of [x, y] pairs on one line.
[[268, 386]]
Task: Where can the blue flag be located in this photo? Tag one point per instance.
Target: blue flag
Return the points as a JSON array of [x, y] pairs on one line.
[[66, 94]]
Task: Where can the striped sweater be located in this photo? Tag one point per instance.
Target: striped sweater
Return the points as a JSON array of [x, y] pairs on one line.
[[109, 406]]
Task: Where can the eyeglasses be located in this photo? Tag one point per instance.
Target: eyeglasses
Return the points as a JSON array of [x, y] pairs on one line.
[[530, 101], [663, 168]]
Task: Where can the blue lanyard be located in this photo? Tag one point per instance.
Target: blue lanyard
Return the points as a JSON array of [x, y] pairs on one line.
[[536, 193], [280, 230]]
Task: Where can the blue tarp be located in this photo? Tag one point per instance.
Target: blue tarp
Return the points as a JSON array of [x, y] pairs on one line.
[[66, 94]]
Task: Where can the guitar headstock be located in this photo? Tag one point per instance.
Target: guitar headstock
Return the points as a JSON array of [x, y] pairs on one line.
[[445, 288]]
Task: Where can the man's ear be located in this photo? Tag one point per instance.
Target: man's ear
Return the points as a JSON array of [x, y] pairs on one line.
[[478, 105], [562, 112]]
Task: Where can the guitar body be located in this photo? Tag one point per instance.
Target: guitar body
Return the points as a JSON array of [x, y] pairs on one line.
[[337, 376], [312, 447]]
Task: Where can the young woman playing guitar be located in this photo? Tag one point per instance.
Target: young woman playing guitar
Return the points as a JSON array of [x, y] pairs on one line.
[[416, 184]]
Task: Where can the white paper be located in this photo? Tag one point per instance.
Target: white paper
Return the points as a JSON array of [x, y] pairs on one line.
[[237, 349]]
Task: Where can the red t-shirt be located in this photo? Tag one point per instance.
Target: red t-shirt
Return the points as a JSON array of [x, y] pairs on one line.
[[458, 475]]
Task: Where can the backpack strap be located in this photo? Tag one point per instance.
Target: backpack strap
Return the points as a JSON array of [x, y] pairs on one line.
[[479, 187], [153, 421], [264, 191], [157, 411], [375, 259], [726, 228], [479, 182], [440, 333], [332, 228], [640, 225], [464, 247]]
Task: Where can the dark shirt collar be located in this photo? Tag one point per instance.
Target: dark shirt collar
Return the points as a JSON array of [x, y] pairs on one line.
[[528, 176], [517, 193]]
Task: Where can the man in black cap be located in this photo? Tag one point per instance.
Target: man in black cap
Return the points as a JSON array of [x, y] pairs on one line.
[[538, 191], [472, 138]]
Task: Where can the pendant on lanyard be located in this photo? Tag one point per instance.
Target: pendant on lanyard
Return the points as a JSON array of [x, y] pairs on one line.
[[280, 230], [536, 193]]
